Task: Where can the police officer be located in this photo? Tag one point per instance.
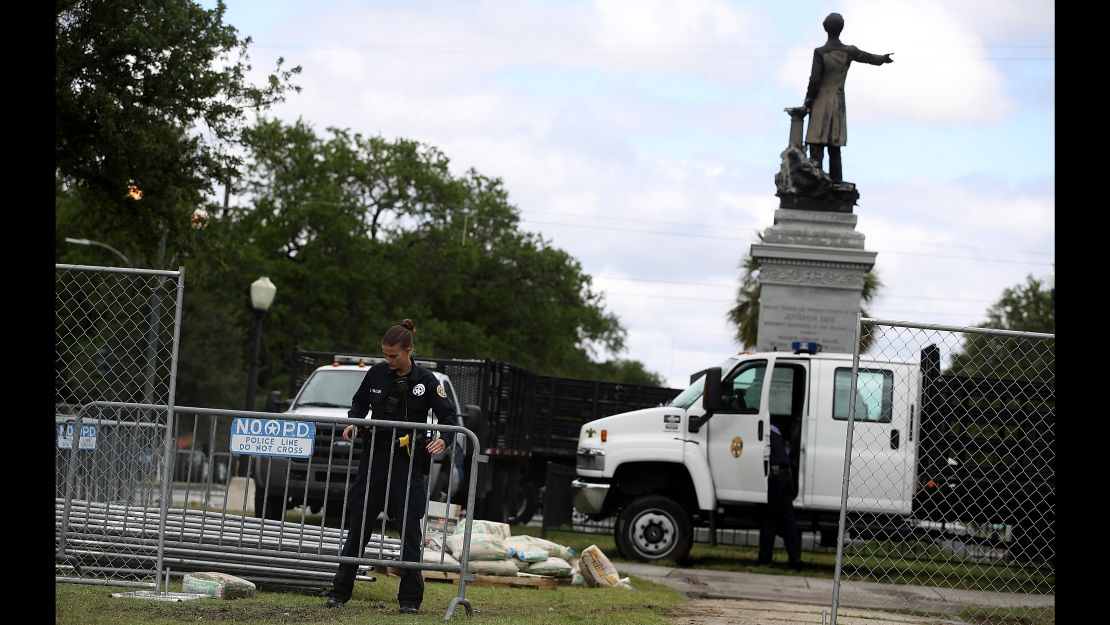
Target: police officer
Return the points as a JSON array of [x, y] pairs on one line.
[[394, 390], [778, 518]]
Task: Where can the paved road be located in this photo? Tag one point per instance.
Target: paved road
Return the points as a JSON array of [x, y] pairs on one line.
[[750, 612], [730, 595]]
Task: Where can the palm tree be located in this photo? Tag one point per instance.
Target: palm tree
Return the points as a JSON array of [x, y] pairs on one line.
[[745, 314]]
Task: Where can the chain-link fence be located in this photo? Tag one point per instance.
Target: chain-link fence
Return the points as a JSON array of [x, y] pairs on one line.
[[949, 479], [116, 337]]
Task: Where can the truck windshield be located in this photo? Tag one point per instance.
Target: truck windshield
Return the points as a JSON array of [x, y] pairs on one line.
[[330, 389], [686, 398]]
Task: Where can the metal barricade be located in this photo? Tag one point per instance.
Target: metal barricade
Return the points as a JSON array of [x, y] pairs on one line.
[[949, 471], [205, 530]]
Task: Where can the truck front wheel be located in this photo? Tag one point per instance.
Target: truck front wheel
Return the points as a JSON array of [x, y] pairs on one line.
[[654, 527]]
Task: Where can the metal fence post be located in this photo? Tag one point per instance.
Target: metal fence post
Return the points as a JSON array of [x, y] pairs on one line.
[[167, 482], [847, 469]]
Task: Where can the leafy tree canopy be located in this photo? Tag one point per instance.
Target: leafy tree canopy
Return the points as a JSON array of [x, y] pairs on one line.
[[1027, 307], [359, 232], [150, 98]]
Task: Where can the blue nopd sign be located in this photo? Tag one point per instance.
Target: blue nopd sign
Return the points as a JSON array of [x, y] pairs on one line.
[[272, 437], [64, 433]]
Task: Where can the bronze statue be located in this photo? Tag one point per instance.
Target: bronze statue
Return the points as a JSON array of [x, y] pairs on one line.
[[824, 101]]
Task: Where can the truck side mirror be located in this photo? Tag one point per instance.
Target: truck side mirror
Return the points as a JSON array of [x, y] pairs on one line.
[[710, 398], [273, 401]]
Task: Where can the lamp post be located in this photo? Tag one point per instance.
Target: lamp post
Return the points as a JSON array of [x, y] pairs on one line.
[[262, 295], [126, 262]]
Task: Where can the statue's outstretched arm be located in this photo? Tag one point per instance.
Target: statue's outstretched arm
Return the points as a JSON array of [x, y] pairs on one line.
[[873, 59]]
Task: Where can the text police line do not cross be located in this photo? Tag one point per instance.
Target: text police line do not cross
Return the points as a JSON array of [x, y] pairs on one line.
[[272, 437]]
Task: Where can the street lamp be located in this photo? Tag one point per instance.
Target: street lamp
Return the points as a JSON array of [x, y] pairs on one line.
[[126, 262], [262, 295]]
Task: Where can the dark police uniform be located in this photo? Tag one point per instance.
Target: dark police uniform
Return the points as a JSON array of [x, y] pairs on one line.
[[778, 518], [390, 396]]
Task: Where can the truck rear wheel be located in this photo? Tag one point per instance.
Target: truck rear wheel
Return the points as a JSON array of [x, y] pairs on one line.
[[654, 527], [526, 503]]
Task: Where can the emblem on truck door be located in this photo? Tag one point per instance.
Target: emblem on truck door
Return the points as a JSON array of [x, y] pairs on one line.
[[590, 433], [737, 446]]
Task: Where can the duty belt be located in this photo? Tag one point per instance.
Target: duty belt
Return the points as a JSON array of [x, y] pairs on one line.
[[780, 469]]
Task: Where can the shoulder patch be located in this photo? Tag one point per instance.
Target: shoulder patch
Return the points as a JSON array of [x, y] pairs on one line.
[[441, 391]]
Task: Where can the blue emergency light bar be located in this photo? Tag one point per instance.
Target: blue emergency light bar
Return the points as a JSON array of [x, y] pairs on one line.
[[805, 347]]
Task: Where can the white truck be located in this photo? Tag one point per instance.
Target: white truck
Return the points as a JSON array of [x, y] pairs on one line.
[[702, 460]]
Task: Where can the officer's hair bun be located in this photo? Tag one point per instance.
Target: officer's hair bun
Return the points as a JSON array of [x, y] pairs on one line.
[[408, 325]]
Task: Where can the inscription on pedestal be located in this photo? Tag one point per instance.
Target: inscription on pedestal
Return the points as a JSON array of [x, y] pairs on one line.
[[788, 314]]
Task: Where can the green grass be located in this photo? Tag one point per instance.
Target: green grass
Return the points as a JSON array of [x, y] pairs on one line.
[[80, 604], [926, 564], [891, 563], [914, 563], [649, 604]]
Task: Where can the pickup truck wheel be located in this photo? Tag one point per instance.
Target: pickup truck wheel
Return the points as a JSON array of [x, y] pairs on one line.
[[526, 504], [654, 527]]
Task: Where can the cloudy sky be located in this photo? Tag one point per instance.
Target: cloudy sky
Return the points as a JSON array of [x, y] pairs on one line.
[[643, 136]]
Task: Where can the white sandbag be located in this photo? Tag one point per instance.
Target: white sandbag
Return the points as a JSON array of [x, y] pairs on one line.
[[531, 543], [432, 556], [482, 547], [536, 555], [219, 585], [597, 569], [552, 567], [492, 567], [485, 527]]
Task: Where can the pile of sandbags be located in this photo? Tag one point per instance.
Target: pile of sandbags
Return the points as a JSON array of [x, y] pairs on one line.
[[541, 557], [488, 553], [495, 551]]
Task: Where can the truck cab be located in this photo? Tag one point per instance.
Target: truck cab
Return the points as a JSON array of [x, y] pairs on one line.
[[702, 460], [327, 393]]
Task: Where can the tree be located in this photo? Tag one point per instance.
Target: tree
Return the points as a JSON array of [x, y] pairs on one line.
[[359, 232], [625, 371], [745, 314], [1028, 307], [150, 99]]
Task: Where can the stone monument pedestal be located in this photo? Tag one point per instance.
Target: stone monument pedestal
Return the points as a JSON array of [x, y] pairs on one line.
[[811, 269]]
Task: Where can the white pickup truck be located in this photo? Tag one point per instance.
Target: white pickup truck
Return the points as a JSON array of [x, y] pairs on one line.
[[702, 460]]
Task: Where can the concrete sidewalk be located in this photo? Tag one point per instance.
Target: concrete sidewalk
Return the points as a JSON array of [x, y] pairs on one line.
[[817, 591]]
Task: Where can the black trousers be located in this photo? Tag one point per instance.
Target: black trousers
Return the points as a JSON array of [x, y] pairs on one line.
[[778, 518], [411, 591]]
